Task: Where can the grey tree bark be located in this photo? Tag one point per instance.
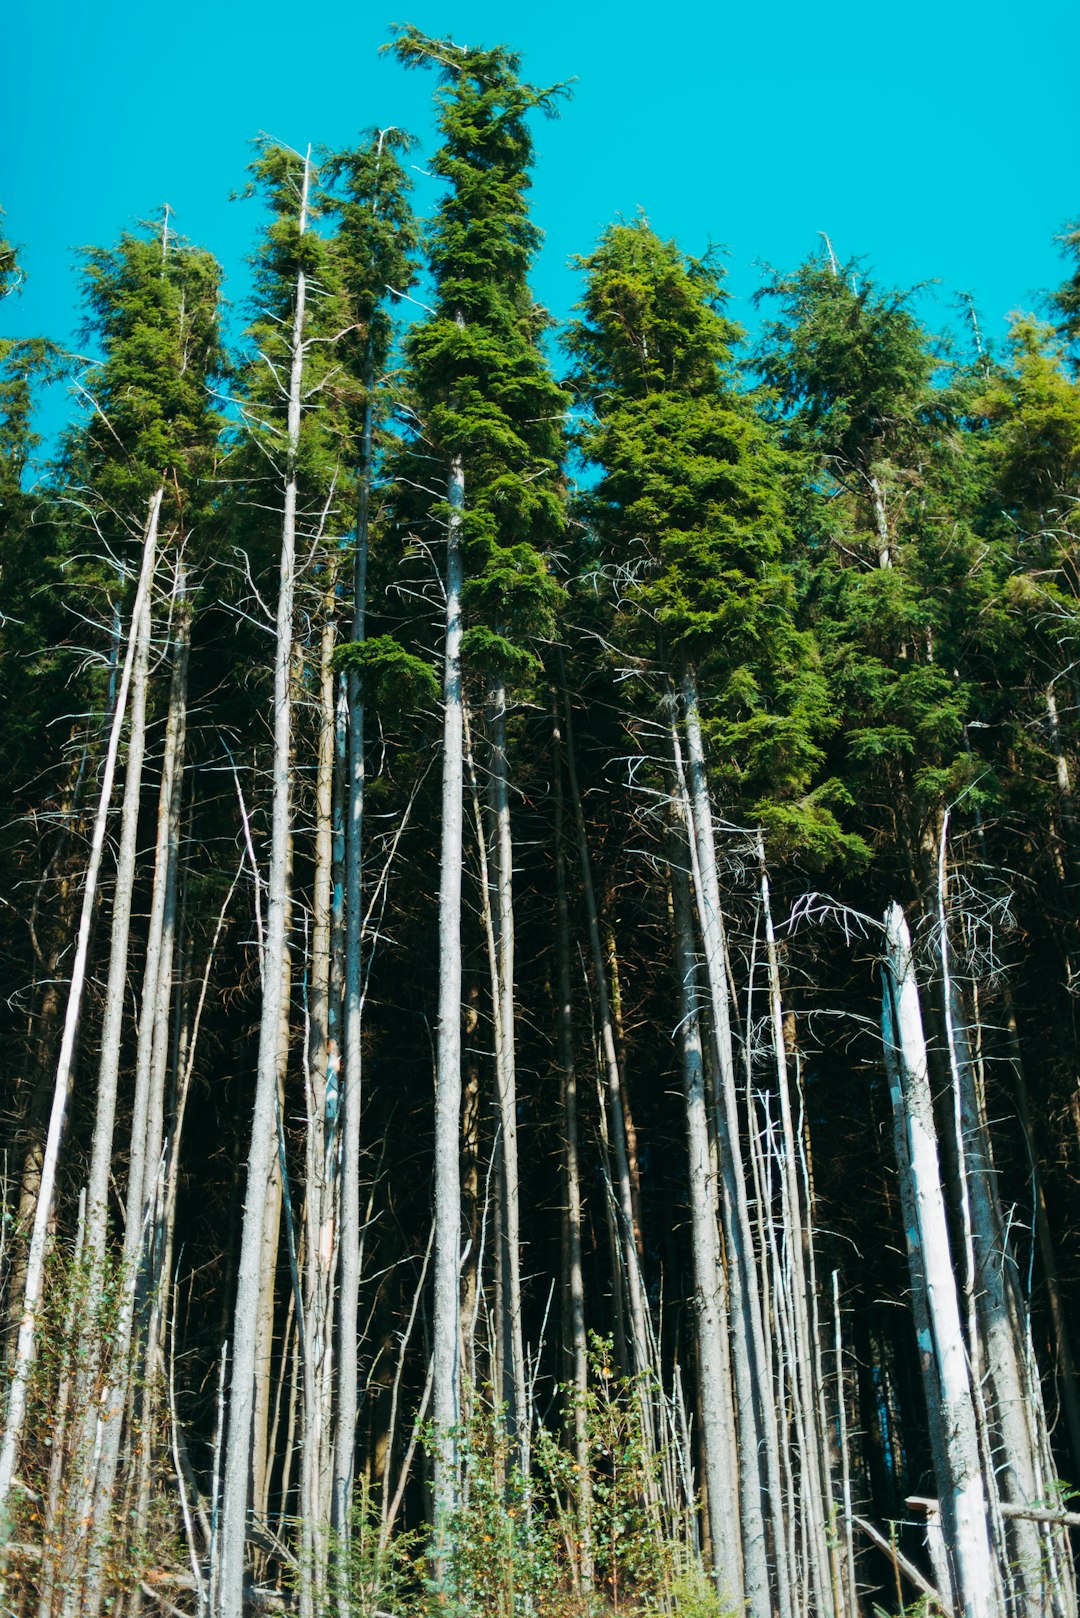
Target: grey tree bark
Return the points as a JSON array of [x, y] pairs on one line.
[[719, 1440], [230, 1589], [446, 1332], [965, 1511], [26, 1342], [759, 1459]]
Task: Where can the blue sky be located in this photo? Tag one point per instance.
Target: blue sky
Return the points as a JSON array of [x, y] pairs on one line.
[[937, 140]]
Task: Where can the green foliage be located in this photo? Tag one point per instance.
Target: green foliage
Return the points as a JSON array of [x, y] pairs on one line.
[[1066, 300], [849, 364], [380, 1569], [151, 307], [480, 388], [690, 518], [394, 680], [516, 1544]]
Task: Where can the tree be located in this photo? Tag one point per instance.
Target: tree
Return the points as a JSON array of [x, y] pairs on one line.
[[488, 410]]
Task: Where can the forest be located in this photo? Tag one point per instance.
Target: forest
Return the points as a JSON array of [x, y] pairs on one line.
[[539, 922]]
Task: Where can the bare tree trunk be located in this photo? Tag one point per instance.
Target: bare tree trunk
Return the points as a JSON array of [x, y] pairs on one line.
[[813, 1473], [758, 1438], [143, 1189], [320, 1205], [1016, 1418], [446, 1325], [230, 1593], [976, 1578], [35, 1265], [719, 1441], [625, 1201], [565, 1035], [1070, 1399], [352, 1051], [503, 916], [89, 1428]]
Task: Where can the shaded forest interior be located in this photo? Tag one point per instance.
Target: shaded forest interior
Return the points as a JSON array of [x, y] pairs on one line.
[[539, 941]]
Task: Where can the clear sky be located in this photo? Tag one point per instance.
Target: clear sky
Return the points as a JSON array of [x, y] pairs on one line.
[[938, 138]]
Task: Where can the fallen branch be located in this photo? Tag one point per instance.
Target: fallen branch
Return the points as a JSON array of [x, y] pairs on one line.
[[899, 1560]]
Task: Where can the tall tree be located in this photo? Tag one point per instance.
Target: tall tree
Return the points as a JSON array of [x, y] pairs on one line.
[[489, 412]]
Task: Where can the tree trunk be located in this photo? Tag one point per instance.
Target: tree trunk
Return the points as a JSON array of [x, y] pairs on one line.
[[35, 1264], [758, 1439], [446, 1332], [976, 1579], [572, 1167], [503, 915], [625, 1200], [230, 1594], [710, 1289]]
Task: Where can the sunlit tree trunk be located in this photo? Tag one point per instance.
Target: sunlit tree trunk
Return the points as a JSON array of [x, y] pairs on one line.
[[710, 1289], [35, 1266], [446, 1332], [264, 1129], [961, 1486], [759, 1461]]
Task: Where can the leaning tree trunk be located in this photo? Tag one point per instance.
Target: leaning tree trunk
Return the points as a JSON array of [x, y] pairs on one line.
[[146, 1129], [230, 1591], [962, 1492], [35, 1264], [90, 1431]]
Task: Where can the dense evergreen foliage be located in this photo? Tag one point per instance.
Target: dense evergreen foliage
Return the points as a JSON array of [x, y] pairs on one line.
[[732, 1261]]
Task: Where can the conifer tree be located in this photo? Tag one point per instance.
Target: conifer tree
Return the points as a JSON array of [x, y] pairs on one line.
[[690, 520], [295, 461], [375, 238], [149, 433], [489, 412]]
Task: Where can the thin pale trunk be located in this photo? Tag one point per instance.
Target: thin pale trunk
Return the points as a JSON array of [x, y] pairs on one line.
[[503, 913], [1016, 1419], [710, 1289], [88, 1432], [146, 1129], [320, 1179], [447, 1169], [1070, 1399], [758, 1439], [350, 1092], [35, 1264], [572, 1167], [814, 1476], [609, 1056], [230, 1594], [962, 1492]]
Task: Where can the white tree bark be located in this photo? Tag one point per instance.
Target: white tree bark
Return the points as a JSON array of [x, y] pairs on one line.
[[759, 1457], [230, 1591], [813, 1471], [639, 1330], [446, 1325], [35, 1265], [1016, 1416], [719, 1440], [976, 1578], [506, 1077]]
